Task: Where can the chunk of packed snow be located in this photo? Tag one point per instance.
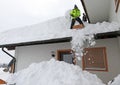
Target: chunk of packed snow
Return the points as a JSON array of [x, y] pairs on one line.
[[115, 81], [54, 73]]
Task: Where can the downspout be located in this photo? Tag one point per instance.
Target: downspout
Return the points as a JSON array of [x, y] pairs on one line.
[[12, 61]]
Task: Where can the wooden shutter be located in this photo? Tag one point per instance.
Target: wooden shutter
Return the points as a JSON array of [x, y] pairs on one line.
[[95, 59]]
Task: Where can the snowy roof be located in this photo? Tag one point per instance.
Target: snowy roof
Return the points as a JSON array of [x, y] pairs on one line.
[[55, 29], [51, 29]]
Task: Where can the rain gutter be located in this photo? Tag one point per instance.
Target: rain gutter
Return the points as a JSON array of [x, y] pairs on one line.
[[12, 61]]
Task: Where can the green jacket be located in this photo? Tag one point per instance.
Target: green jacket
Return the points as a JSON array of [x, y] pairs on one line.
[[75, 13]]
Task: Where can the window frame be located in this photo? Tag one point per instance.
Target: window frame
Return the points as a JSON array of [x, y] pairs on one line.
[[105, 62], [63, 51]]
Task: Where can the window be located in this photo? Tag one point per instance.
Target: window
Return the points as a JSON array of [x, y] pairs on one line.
[[94, 59], [66, 55]]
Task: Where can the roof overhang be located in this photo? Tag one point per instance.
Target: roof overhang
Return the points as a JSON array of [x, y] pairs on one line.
[[50, 41], [97, 10], [105, 35]]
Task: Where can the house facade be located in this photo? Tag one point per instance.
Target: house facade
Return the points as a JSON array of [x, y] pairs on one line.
[[27, 53]]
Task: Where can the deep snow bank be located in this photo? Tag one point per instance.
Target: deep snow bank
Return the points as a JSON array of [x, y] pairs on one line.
[[54, 73]]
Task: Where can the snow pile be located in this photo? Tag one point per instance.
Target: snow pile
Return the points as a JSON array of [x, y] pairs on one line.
[[101, 27], [54, 73], [116, 81], [4, 75]]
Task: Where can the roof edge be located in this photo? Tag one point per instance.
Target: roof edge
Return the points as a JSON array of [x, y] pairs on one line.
[[50, 41], [106, 35], [97, 36]]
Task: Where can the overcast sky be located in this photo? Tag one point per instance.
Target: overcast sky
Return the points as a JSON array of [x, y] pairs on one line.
[[19, 13]]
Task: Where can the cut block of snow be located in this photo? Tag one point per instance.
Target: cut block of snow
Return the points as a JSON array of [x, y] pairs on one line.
[[54, 73]]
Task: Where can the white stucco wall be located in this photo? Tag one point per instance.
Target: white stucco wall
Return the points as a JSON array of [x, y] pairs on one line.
[[113, 56], [36, 53], [113, 15]]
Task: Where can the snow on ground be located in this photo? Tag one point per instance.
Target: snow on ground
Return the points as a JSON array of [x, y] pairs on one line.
[[54, 73], [4, 75], [115, 81]]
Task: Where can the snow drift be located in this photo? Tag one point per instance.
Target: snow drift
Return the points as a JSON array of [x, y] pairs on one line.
[[54, 73]]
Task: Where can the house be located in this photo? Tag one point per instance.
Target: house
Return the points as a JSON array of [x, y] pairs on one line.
[[32, 45]]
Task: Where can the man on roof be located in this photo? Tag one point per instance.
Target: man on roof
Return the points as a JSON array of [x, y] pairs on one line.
[[75, 14]]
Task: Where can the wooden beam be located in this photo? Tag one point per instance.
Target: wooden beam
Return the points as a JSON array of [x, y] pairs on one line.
[[10, 48], [80, 26], [117, 5], [84, 7], [107, 35]]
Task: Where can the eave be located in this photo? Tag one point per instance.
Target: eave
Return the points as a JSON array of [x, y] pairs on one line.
[[97, 36], [106, 35], [51, 41]]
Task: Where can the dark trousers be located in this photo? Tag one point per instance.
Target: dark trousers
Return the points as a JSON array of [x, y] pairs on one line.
[[76, 19]]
